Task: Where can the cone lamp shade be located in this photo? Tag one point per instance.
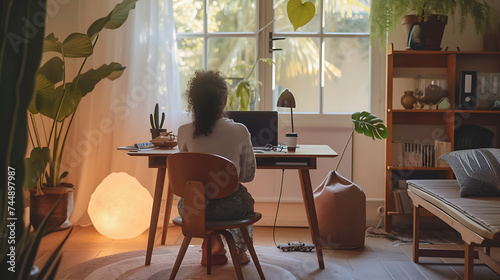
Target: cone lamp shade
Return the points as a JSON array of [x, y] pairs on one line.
[[287, 100], [120, 207]]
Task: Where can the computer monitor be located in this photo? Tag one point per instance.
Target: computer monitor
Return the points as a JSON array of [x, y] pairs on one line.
[[262, 125]]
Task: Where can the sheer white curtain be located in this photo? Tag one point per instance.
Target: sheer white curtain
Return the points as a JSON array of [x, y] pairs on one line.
[[117, 112]]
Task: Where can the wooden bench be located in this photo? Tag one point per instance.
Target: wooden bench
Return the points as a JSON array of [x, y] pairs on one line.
[[477, 219]]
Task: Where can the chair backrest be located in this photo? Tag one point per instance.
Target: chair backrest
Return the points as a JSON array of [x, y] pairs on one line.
[[196, 176]]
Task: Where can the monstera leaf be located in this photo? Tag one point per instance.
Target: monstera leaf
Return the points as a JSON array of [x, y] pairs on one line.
[[369, 125]]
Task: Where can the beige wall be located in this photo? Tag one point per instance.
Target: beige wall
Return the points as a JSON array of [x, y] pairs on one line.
[[368, 155]]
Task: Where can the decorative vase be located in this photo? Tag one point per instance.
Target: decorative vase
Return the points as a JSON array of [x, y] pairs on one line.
[[41, 205], [433, 28], [430, 89], [407, 100], [443, 104]]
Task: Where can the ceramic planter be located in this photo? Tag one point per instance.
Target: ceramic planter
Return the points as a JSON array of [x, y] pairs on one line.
[[155, 132], [434, 30], [41, 205]]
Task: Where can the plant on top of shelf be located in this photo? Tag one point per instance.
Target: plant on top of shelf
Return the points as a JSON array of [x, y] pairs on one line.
[[386, 15]]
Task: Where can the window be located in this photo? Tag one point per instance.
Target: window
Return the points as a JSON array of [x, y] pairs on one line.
[[326, 63], [215, 34]]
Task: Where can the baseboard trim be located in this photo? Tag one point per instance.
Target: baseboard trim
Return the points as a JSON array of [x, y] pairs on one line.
[[290, 214]]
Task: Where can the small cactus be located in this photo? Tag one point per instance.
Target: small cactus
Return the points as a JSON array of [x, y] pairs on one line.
[[155, 119]]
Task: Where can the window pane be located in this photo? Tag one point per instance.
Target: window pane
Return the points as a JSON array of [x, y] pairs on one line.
[[282, 24], [231, 16], [188, 16], [190, 59], [347, 16], [296, 68], [234, 57], [349, 92]]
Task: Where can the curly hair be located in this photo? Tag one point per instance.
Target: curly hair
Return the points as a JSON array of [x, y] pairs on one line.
[[207, 92]]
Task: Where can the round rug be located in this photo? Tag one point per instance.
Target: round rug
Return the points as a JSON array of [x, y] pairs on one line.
[[275, 265]]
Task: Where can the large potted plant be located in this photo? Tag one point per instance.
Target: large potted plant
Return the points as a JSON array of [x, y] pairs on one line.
[[18, 65], [51, 112], [387, 15]]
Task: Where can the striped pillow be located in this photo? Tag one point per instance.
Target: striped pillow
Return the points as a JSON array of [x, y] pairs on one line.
[[477, 171]]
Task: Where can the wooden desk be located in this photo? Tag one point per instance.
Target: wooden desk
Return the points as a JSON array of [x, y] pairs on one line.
[[303, 159]]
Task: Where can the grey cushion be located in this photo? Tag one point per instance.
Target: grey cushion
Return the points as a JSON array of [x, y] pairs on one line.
[[477, 171]]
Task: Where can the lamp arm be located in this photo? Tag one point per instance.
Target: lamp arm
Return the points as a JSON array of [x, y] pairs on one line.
[[291, 114], [345, 147]]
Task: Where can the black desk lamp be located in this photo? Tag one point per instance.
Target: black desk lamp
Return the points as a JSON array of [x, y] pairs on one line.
[[287, 100]]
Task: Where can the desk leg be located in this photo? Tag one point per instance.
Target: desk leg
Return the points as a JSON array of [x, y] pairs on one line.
[[305, 181], [160, 179], [166, 219]]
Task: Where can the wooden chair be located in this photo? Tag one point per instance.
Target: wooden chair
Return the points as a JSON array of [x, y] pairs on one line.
[[196, 177]]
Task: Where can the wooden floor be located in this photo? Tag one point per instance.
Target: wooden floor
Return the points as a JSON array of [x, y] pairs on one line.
[[379, 259]]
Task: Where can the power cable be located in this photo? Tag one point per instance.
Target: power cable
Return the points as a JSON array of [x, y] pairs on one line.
[[278, 206]]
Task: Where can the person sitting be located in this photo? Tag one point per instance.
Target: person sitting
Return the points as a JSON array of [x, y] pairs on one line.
[[213, 133]]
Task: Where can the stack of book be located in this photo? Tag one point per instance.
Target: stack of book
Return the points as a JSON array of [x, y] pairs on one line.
[[402, 202], [419, 155], [441, 148]]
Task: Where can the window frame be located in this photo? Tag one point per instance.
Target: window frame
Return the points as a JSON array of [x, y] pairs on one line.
[[264, 72], [376, 74]]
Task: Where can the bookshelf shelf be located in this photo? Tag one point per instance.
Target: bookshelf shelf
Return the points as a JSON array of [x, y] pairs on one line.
[[421, 111], [421, 128], [477, 111], [428, 111], [392, 213], [395, 213]]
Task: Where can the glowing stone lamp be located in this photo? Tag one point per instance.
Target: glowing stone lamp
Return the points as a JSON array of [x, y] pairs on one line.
[[120, 207]]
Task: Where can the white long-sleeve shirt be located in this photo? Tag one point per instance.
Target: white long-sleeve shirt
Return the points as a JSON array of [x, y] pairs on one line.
[[228, 139]]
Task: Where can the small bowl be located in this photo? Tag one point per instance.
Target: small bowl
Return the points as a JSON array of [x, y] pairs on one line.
[[164, 142]]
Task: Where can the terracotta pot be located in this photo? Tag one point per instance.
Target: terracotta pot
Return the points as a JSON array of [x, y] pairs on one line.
[[155, 132], [434, 30], [41, 205]]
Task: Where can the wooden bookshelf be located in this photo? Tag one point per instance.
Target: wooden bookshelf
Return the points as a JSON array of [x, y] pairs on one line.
[[427, 125]]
